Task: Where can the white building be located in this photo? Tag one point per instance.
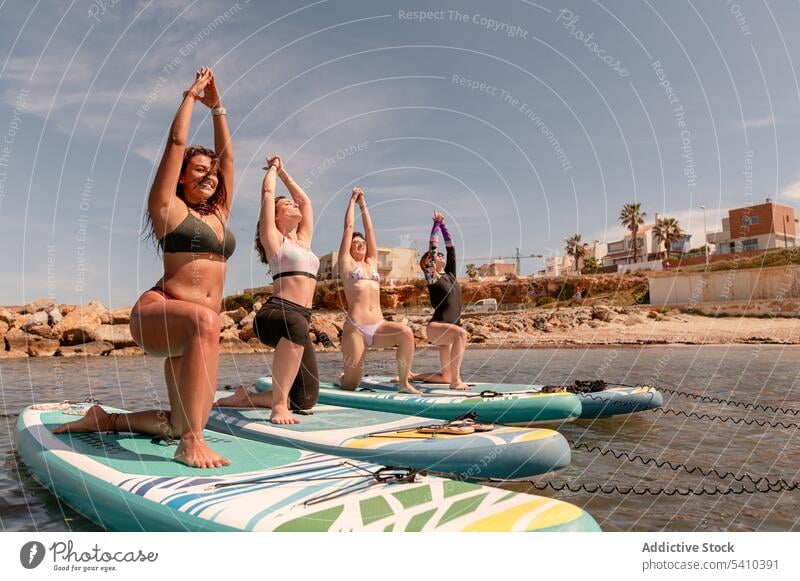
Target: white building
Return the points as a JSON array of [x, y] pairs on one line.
[[621, 251], [648, 247], [395, 264], [558, 265], [497, 268], [565, 264]]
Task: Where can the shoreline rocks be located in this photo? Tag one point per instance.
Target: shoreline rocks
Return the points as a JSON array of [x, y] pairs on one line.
[[44, 328]]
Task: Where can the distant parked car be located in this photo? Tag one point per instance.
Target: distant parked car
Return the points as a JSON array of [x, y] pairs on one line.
[[482, 306]]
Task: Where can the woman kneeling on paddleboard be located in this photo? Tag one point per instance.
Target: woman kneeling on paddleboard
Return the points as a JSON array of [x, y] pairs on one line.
[[364, 326], [188, 210], [283, 240], [444, 329]]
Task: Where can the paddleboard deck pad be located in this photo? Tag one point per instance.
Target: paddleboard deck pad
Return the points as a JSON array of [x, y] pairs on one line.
[[513, 409], [608, 400], [128, 482], [394, 440]]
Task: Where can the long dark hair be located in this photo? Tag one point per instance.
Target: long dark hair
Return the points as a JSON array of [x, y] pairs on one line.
[[212, 205], [262, 254]]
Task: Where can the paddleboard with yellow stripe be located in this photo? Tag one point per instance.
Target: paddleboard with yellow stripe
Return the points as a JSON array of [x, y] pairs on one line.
[[611, 400], [513, 409], [391, 439], [128, 482]]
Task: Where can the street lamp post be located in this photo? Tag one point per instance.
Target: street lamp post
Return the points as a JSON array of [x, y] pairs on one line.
[[705, 234]]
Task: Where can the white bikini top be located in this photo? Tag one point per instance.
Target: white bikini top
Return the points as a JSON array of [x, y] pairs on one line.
[[291, 259]]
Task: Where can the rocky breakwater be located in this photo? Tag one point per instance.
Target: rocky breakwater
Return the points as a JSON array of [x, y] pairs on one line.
[[591, 325], [44, 328], [515, 291], [595, 325], [237, 334]]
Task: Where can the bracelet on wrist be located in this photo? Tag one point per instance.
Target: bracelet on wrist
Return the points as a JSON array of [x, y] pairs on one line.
[[217, 111], [192, 94]]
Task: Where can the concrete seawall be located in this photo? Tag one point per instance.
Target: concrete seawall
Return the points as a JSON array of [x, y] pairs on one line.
[[779, 286]]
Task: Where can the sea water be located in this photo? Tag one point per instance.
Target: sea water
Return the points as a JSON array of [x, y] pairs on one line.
[[766, 374]]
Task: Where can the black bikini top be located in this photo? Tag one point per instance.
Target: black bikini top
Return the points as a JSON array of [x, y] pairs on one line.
[[194, 235]]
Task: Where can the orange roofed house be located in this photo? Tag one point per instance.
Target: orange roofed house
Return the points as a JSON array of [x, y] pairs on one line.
[[758, 227]]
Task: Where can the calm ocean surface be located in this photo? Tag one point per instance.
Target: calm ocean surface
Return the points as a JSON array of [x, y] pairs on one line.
[[768, 375]]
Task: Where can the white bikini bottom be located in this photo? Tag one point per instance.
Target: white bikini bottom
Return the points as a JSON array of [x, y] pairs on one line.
[[367, 330]]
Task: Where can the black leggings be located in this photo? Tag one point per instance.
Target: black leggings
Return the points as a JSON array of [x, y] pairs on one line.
[[281, 319]]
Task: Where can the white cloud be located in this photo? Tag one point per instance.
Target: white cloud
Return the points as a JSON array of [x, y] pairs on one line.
[[608, 235], [758, 122], [791, 191]]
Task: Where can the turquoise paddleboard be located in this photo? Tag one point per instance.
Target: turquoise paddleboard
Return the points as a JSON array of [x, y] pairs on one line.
[[395, 440], [513, 409], [127, 482], [611, 401]]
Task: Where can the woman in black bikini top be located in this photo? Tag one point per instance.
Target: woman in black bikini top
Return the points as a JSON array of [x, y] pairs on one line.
[[188, 209], [196, 236]]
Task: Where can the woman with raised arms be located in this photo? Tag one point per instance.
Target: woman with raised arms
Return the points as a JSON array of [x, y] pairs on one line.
[[365, 326], [283, 240], [188, 209], [444, 329]]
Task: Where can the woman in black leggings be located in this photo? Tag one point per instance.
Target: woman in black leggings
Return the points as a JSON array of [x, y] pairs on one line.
[[444, 329], [283, 240]]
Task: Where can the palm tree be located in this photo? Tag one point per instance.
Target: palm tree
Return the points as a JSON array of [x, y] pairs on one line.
[[661, 236], [676, 233], [632, 217], [575, 249], [591, 263], [668, 231], [472, 271]]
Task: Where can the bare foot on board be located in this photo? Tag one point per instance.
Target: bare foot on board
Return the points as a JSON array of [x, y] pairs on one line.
[[459, 385], [195, 453], [408, 388], [282, 415], [239, 399], [96, 420]]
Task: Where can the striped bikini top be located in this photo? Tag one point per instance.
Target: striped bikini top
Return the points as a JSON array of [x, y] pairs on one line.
[[291, 259]]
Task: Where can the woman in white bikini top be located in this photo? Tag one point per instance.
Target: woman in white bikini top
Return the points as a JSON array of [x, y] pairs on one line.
[[365, 326]]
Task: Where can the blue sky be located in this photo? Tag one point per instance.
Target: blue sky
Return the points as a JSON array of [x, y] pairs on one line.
[[524, 122]]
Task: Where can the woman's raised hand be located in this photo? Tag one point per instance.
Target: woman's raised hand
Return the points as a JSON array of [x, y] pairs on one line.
[[200, 86], [276, 161], [438, 216], [358, 196], [210, 97], [281, 168]]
